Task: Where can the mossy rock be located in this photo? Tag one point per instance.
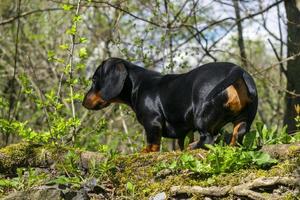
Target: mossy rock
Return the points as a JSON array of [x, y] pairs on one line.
[[16, 155], [27, 155]]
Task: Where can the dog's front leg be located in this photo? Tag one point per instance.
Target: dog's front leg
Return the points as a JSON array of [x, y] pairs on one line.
[[153, 135]]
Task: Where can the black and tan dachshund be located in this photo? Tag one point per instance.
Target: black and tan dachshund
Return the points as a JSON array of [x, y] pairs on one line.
[[203, 100]]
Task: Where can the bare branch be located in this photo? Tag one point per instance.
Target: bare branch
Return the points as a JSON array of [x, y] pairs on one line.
[[240, 33], [7, 21], [278, 58], [13, 92]]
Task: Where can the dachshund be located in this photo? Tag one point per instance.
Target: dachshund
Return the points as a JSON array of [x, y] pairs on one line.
[[204, 99]]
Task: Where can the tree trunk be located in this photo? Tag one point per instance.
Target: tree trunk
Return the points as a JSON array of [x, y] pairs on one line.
[[293, 66], [240, 33]]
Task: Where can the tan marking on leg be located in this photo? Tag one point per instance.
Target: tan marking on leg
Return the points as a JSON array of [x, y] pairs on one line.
[[146, 149], [235, 133], [151, 148], [237, 96], [155, 147]]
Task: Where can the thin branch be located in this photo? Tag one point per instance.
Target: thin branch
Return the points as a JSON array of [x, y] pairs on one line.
[[7, 21], [129, 13], [12, 94], [126, 130], [71, 70], [240, 33], [180, 11], [265, 69], [41, 95], [278, 58]]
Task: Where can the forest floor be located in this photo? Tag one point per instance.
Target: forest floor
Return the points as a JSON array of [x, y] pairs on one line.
[[31, 171]]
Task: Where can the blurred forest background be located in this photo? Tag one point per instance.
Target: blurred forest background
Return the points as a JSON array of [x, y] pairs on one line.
[[49, 50]]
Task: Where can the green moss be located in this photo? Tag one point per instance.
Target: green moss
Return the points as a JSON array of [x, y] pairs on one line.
[[294, 151], [28, 154], [289, 196], [140, 170], [15, 155]]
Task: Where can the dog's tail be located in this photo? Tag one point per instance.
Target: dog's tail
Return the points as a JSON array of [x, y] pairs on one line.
[[233, 76]]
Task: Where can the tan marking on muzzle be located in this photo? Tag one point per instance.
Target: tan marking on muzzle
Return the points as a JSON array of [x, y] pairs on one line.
[[93, 99]]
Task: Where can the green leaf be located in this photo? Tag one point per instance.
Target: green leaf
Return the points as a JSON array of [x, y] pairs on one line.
[[130, 187], [64, 46], [261, 158], [80, 66], [67, 7], [296, 137], [72, 30], [77, 18], [83, 52], [249, 140], [65, 180], [82, 40], [173, 165], [51, 55]]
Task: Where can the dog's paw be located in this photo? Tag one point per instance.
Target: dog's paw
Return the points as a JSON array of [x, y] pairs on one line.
[[194, 145], [151, 148]]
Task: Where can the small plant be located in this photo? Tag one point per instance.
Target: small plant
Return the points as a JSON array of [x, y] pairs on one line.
[[264, 135], [21, 129], [26, 179], [70, 164], [220, 159], [75, 181], [297, 118], [130, 188], [106, 165]]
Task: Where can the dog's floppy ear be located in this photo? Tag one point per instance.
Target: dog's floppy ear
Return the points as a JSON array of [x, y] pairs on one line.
[[114, 81]]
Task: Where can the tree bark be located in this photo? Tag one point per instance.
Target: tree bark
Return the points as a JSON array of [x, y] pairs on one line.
[[240, 33], [293, 66]]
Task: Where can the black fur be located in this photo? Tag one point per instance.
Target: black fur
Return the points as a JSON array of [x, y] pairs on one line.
[[173, 105]]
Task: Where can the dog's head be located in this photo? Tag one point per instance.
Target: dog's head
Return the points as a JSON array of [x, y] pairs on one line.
[[108, 82]]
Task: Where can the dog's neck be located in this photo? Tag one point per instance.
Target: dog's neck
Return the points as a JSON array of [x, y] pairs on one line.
[[136, 75]]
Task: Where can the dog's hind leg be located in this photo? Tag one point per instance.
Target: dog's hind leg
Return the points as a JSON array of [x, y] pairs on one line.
[[241, 127], [239, 130]]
